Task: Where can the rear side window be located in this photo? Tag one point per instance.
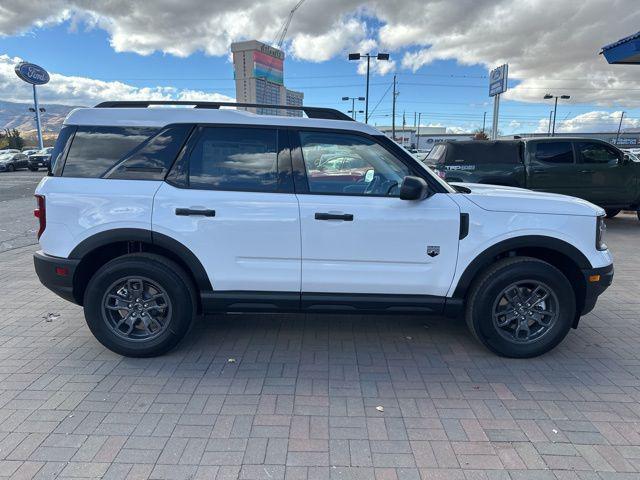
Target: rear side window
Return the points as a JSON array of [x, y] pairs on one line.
[[95, 150], [554, 152], [240, 159], [153, 159]]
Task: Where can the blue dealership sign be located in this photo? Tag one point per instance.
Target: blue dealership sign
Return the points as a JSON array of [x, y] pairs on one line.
[[32, 73], [498, 80]]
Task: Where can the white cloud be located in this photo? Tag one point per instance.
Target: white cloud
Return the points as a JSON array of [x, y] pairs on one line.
[[79, 91], [550, 46], [595, 121], [319, 48]]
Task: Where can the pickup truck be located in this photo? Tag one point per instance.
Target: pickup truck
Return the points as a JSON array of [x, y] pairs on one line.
[[580, 167]]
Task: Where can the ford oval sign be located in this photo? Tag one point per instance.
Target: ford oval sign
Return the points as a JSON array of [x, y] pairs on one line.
[[32, 73]]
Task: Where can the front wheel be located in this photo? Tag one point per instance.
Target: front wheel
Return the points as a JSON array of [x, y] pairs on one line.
[[521, 307], [612, 212], [33, 169], [139, 305], [11, 168]]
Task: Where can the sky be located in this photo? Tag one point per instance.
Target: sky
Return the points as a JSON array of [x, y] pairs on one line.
[[440, 51]]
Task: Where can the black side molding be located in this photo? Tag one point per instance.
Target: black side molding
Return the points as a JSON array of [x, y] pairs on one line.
[[464, 225]]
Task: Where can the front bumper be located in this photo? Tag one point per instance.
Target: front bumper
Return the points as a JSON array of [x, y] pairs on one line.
[[594, 288], [56, 274]]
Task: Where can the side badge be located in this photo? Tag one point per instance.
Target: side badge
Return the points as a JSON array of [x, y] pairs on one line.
[[433, 250]]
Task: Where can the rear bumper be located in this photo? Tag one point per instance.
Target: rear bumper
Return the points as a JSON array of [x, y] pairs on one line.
[[56, 274], [594, 288]]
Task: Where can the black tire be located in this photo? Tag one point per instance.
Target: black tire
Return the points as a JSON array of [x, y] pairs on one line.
[[612, 212], [638, 214], [487, 290], [11, 168], [33, 169], [158, 271]]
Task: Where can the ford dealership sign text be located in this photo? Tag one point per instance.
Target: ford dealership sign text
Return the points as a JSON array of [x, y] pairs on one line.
[[32, 73]]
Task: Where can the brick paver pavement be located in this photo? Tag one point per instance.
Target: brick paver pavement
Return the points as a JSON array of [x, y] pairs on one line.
[[299, 401]]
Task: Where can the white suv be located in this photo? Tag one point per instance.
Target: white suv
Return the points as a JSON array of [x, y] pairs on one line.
[[151, 215]]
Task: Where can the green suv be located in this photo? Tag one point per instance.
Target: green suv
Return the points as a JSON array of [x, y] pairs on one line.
[[580, 167]]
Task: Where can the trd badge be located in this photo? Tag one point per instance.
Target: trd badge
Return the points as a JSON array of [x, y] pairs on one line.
[[433, 250]]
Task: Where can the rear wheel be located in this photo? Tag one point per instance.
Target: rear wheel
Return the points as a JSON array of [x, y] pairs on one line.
[[612, 212], [33, 169], [139, 305], [521, 307]]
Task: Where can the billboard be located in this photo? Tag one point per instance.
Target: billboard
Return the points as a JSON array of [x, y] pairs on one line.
[[498, 80], [268, 67]]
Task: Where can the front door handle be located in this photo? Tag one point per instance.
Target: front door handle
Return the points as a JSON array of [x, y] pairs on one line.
[[586, 171], [183, 212], [347, 217]]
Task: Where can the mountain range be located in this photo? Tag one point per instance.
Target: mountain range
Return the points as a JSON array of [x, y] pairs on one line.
[[17, 115]]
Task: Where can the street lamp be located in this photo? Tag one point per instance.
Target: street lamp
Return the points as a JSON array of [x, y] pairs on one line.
[[555, 108], [353, 105], [357, 56]]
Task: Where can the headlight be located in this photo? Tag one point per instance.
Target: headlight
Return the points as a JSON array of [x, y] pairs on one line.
[[601, 230]]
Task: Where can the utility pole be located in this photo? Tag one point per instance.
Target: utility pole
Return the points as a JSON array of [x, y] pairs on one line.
[[549, 126], [415, 116], [393, 110], [619, 127], [418, 132], [484, 121]]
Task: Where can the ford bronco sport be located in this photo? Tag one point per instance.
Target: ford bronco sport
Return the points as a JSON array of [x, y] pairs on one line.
[[153, 215]]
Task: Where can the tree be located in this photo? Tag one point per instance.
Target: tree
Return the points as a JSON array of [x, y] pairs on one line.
[[11, 139], [480, 134]]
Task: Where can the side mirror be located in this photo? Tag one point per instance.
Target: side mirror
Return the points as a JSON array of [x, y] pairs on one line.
[[413, 188], [625, 159]]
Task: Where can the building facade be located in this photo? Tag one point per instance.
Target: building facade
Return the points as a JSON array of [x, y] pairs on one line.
[[258, 70], [425, 139]]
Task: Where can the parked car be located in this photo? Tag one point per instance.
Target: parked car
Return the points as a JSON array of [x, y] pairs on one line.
[[11, 160], [585, 168], [155, 214], [29, 151], [40, 159]]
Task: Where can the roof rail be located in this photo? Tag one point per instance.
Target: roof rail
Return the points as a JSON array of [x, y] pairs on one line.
[[311, 112]]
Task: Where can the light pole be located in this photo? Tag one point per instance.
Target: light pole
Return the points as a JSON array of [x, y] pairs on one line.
[[555, 108], [353, 105], [357, 56]]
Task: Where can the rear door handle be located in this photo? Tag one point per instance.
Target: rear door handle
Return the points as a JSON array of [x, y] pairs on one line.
[[183, 212], [347, 217]]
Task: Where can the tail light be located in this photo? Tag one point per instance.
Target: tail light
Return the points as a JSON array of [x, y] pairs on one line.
[[41, 214]]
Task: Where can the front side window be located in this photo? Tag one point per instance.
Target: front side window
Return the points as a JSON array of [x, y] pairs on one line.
[[95, 150], [346, 164], [554, 152], [596, 153], [236, 159]]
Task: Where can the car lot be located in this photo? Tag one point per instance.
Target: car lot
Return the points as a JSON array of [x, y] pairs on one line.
[[297, 396], [17, 223]]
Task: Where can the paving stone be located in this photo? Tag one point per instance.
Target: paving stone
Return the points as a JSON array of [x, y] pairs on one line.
[[299, 403]]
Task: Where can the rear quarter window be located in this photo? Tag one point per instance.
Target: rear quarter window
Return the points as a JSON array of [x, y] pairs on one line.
[[95, 150]]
